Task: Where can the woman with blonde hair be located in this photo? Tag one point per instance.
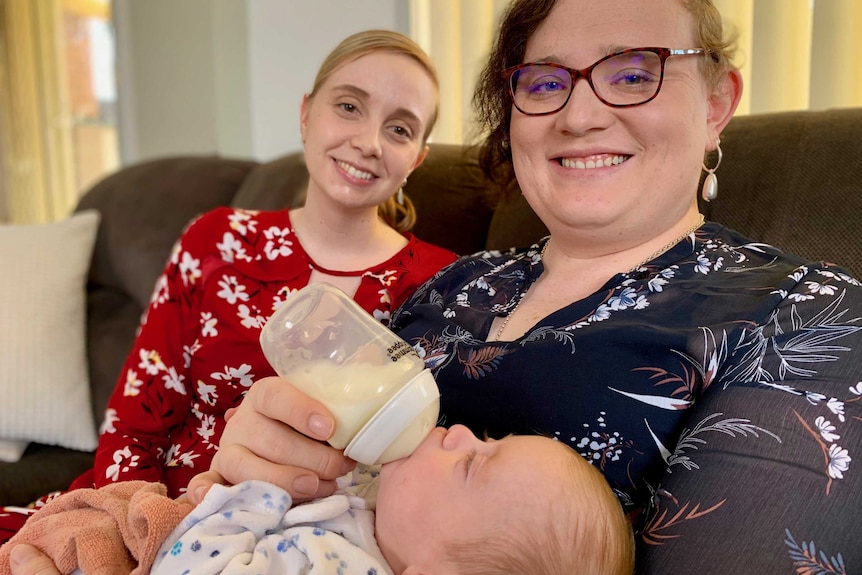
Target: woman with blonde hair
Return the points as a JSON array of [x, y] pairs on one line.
[[364, 127]]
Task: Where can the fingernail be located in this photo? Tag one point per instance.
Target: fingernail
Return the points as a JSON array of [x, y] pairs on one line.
[[305, 485], [21, 554], [320, 425]]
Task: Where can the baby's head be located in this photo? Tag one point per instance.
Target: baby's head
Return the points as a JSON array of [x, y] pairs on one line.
[[522, 504]]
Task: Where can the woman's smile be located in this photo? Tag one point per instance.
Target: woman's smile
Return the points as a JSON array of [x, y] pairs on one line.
[[354, 172], [594, 161]]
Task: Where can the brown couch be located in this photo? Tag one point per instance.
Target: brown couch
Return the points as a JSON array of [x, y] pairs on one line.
[[793, 180]]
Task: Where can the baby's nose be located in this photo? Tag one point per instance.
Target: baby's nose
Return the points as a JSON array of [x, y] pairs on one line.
[[459, 436]]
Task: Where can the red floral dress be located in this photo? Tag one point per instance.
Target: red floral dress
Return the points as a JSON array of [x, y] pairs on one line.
[[197, 350]]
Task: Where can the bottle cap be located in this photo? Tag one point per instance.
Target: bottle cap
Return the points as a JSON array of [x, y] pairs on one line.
[[400, 425]]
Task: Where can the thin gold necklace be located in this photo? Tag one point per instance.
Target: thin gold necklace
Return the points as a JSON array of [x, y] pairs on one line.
[[652, 256], [670, 244], [518, 303]]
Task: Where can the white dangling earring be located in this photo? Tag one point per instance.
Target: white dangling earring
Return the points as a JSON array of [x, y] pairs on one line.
[[710, 183], [399, 196]]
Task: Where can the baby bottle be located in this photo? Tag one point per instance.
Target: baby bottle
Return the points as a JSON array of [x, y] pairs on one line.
[[384, 400]]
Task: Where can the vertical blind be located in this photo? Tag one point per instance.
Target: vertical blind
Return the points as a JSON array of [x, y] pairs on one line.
[[35, 143], [793, 54], [57, 134]]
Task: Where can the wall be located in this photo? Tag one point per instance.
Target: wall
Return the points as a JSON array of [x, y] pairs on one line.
[[227, 76]]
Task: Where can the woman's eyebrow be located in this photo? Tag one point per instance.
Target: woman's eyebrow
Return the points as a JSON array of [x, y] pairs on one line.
[[401, 112], [355, 90], [544, 59], [556, 58], [408, 115]]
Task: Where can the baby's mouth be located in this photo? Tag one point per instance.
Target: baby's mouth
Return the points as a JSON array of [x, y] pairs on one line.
[[591, 162]]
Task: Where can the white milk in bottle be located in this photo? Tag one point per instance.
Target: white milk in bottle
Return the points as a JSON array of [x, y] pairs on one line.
[[384, 400]]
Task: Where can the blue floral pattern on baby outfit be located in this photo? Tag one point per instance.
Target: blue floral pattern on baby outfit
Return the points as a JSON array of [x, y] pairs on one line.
[[251, 529]]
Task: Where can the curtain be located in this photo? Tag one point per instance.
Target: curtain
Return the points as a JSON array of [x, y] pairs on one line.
[[457, 34], [793, 54], [35, 143]]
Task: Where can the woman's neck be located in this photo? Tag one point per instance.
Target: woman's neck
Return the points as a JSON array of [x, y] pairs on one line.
[[573, 272], [345, 241], [570, 252]]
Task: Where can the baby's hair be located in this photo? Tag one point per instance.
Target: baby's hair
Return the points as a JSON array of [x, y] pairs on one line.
[[584, 531]]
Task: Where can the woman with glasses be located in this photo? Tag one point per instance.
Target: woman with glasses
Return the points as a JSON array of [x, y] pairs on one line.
[[695, 368], [714, 381]]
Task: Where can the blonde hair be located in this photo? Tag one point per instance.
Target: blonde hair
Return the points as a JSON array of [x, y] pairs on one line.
[[401, 217], [712, 37], [583, 531]]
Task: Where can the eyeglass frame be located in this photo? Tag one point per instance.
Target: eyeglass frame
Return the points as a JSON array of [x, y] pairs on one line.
[[587, 74]]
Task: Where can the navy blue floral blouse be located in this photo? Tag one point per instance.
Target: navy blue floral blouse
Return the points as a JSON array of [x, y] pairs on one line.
[[717, 387]]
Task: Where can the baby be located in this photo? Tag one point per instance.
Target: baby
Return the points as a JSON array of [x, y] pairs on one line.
[[457, 505], [522, 504]]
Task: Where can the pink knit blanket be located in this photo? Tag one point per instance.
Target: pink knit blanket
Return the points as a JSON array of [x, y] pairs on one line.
[[113, 530]]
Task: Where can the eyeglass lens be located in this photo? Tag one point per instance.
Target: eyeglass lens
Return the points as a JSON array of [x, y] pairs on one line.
[[623, 80]]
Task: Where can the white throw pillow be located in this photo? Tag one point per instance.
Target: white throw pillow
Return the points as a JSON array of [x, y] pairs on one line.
[[44, 385], [12, 450]]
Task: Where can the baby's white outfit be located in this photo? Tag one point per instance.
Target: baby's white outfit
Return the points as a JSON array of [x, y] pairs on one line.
[[251, 528]]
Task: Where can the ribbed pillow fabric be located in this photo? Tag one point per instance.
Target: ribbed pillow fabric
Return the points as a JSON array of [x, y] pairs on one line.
[[44, 386], [11, 450]]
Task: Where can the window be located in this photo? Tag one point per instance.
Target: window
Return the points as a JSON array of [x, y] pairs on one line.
[[58, 129], [793, 54]]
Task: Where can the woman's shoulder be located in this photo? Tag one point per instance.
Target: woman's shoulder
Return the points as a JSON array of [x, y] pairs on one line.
[[224, 221], [738, 252], [493, 258], [428, 254], [237, 219], [483, 261], [472, 268], [250, 240], [732, 258]]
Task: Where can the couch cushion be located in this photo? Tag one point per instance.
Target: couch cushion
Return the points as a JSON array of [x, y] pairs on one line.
[[515, 224], [44, 391], [274, 185], [43, 469], [452, 199], [806, 198], [145, 208]]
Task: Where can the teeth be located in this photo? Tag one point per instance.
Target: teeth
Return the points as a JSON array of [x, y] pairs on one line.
[[590, 164], [354, 172]]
